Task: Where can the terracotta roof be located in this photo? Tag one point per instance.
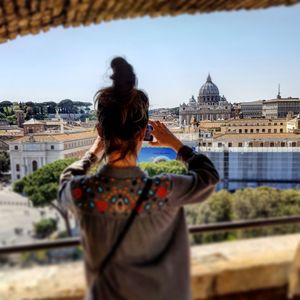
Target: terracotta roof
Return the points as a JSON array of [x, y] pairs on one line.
[[56, 137], [22, 17], [259, 136], [33, 122]]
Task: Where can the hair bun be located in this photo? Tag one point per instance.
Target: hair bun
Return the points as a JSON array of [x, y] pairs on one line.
[[123, 77]]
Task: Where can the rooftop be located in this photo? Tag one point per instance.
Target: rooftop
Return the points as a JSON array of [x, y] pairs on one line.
[[46, 137], [33, 122], [259, 136]]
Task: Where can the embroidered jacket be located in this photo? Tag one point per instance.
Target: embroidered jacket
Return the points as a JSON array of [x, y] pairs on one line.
[[153, 261]]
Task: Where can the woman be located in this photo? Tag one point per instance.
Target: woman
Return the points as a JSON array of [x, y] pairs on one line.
[[152, 260]]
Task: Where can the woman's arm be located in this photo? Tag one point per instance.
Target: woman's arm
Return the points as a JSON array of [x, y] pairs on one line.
[[202, 176], [77, 169], [198, 183]]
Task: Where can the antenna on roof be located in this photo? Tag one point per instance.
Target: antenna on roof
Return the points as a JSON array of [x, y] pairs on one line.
[[278, 95]]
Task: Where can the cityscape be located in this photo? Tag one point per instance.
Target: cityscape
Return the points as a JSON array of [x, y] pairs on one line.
[[252, 143], [223, 76]]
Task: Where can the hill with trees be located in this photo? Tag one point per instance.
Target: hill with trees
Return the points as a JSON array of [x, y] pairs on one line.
[[41, 110]]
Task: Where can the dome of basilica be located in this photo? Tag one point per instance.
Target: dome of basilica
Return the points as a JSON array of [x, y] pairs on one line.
[[209, 92]]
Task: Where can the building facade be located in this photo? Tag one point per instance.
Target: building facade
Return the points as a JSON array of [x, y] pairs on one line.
[[245, 126], [29, 153], [252, 160], [281, 107], [253, 109], [209, 106]]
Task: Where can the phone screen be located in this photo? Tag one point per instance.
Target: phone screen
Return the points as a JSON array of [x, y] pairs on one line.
[[148, 136]]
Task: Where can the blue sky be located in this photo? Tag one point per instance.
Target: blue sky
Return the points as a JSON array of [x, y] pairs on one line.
[[246, 53]]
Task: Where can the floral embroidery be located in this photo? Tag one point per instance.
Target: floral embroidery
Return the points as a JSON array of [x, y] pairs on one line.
[[77, 193], [101, 205], [106, 195]]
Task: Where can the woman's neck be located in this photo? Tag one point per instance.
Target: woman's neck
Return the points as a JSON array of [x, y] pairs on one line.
[[128, 161]]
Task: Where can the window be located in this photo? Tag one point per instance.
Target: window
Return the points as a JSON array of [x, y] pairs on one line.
[[204, 144], [240, 144], [30, 130], [52, 147], [16, 147], [275, 130], [282, 144], [263, 130], [17, 167], [257, 130], [281, 130], [240, 130], [293, 144], [269, 130], [250, 144], [229, 144], [219, 145], [18, 176], [281, 123], [251, 130], [246, 130], [34, 165], [209, 144], [261, 144], [275, 123], [271, 144]]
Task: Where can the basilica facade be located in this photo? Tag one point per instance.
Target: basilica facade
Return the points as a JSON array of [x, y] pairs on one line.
[[209, 106]]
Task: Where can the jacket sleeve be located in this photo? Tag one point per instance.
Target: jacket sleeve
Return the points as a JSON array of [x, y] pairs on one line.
[[197, 184], [71, 177]]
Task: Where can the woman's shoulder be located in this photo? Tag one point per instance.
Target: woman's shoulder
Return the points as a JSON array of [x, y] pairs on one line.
[[107, 195]]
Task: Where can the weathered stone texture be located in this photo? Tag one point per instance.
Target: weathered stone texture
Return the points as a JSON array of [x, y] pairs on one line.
[[22, 17]]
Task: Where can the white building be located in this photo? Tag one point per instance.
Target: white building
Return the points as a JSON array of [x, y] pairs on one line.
[[29, 153]]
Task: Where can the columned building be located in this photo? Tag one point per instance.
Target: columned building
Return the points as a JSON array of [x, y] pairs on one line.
[[31, 152], [209, 106]]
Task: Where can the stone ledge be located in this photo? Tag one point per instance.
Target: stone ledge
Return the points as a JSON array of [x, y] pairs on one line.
[[242, 266], [221, 269]]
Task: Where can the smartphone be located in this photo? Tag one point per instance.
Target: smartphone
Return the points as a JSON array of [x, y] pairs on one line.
[[148, 136]]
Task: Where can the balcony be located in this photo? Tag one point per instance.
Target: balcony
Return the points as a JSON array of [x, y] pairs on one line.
[[260, 268]]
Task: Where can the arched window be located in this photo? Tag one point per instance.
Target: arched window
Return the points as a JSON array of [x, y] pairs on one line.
[[34, 165]]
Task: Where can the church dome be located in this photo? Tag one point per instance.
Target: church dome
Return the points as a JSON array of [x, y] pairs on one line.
[[209, 92]]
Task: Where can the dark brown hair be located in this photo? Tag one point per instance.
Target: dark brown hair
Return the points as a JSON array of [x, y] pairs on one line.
[[122, 110]]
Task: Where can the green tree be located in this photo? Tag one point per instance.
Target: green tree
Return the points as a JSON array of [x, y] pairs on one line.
[[4, 162], [170, 166], [41, 187], [12, 119], [45, 227], [218, 208]]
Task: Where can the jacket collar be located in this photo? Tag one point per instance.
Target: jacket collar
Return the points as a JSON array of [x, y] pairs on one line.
[[127, 172]]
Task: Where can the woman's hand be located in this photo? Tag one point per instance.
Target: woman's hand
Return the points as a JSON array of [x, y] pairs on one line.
[[164, 136], [97, 148]]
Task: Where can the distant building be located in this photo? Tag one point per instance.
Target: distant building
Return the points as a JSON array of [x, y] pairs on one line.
[[31, 152], [210, 106], [280, 107], [245, 126], [251, 160], [293, 125], [20, 117], [33, 126], [253, 109]]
